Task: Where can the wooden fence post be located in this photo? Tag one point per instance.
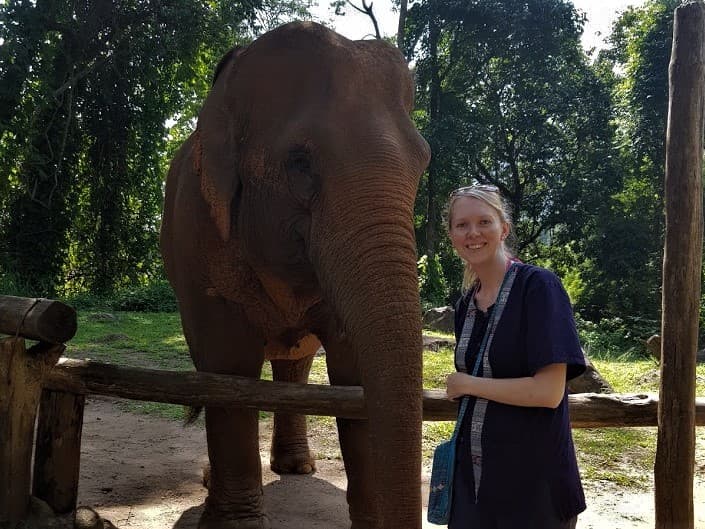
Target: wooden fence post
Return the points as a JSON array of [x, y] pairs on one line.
[[21, 373], [682, 265], [57, 450]]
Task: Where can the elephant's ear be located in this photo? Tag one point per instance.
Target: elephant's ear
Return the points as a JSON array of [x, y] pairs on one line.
[[218, 147]]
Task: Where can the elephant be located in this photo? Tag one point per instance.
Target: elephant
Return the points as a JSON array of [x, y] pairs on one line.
[[288, 223]]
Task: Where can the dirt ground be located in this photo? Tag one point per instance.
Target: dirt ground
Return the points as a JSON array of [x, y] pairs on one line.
[[142, 472]]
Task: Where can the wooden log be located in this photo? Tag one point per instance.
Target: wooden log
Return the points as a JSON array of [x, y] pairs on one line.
[[682, 268], [587, 410], [40, 319], [206, 389], [21, 374], [57, 450]]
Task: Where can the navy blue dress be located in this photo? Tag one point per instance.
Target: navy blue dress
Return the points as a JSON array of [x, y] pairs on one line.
[[529, 469]]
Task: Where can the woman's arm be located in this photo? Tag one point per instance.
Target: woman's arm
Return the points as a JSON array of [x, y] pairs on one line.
[[545, 389]]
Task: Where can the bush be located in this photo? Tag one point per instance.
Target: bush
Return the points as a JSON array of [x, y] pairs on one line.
[[153, 297], [616, 338], [433, 288], [156, 296], [11, 285]]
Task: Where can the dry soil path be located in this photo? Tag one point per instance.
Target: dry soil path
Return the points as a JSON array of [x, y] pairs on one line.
[[142, 472]]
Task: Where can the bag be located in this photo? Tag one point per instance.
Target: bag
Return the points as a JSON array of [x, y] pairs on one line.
[[441, 483]]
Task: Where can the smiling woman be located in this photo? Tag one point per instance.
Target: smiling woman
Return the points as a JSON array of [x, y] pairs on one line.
[[516, 335], [479, 223]]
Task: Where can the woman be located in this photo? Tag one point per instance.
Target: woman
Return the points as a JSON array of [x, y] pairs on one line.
[[517, 346]]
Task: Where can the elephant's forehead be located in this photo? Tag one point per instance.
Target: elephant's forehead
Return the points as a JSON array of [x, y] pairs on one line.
[[309, 50]]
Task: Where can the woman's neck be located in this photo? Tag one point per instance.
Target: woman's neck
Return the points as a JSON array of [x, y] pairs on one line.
[[490, 277]]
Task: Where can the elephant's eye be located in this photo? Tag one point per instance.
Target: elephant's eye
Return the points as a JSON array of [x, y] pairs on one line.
[[301, 173], [299, 161]]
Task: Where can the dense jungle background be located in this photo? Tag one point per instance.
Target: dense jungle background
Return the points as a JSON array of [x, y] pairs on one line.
[[96, 95]]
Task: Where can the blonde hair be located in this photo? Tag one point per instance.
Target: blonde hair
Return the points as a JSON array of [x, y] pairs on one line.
[[491, 196]]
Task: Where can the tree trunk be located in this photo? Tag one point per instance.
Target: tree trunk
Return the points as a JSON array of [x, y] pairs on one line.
[[675, 452], [431, 231], [400, 27]]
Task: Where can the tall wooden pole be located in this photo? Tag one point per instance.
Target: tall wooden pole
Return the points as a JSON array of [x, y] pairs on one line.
[[675, 451]]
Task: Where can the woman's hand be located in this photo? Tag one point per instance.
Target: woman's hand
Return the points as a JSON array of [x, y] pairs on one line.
[[457, 385], [545, 389]]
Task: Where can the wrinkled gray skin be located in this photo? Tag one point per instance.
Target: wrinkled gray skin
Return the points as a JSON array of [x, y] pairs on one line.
[[288, 219]]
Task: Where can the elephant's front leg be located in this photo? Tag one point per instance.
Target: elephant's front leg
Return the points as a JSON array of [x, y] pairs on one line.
[[290, 452], [222, 341], [235, 486]]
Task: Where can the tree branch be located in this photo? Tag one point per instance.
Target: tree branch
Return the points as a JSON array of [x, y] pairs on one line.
[[367, 10]]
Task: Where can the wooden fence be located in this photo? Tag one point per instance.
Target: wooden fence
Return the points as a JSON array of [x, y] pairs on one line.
[[35, 383]]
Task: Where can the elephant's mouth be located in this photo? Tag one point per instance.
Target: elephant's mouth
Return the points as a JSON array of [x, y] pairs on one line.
[[291, 345]]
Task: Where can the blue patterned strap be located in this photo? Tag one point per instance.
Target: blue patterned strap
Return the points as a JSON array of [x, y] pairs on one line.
[[480, 409], [468, 324]]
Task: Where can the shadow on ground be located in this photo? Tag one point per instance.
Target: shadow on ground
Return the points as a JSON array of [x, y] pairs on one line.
[[293, 502]]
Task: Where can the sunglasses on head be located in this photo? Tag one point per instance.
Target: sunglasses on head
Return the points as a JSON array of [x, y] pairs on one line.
[[488, 188]]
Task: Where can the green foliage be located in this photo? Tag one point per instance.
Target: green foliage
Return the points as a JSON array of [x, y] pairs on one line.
[[565, 261], [636, 375], [155, 296], [85, 92], [13, 285], [625, 243], [616, 338], [437, 365], [96, 98], [432, 284]]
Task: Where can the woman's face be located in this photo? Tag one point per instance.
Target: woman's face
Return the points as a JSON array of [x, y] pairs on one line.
[[477, 231]]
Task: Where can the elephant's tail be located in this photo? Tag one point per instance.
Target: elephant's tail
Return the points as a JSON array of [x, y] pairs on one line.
[[192, 413]]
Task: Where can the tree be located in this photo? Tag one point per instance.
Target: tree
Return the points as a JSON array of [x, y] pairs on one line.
[[627, 244], [86, 90], [507, 97]]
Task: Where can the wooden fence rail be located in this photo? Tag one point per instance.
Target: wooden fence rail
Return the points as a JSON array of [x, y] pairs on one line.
[[587, 410]]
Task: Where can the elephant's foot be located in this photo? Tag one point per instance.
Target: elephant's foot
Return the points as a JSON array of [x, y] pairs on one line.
[[364, 525], [214, 521], [221, 517], [292, 460]]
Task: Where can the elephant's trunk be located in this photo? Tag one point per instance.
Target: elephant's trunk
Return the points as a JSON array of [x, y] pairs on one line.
[[367, 269]]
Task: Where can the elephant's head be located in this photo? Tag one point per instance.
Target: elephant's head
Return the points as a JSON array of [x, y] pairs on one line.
[[310, 164]]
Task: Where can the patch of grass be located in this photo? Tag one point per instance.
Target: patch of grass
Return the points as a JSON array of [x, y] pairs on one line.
[[629, 376], [319, 372], [439, 334], [433, 434], [152, 340], [437, 365], [173, 412], [624, 456]]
